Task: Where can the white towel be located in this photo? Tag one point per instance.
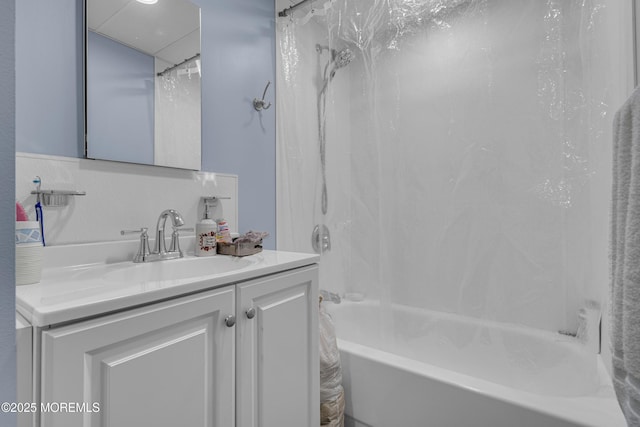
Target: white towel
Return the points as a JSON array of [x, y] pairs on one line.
[[625, 258]]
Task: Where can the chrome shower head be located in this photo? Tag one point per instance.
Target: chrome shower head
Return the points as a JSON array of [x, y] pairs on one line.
[[342, 58], [339, 60]]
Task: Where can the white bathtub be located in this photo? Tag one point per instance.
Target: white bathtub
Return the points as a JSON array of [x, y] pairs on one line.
[[406, 367]]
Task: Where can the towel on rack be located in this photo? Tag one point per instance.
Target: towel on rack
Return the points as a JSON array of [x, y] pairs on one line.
[[625, 258]]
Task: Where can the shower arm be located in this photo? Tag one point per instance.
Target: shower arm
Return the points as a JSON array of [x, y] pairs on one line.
[[289, 10]]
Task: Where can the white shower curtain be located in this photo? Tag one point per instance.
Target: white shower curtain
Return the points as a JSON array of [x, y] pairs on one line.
[[463, 142], [177, 117]]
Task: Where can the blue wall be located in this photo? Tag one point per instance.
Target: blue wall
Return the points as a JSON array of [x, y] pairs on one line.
[[120, 105], [50, 71], [7, 211], [238, 58], [238, 41]]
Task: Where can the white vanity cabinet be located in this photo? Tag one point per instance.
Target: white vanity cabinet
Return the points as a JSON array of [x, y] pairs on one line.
[[168, 364], [245, 354], [277, 364]]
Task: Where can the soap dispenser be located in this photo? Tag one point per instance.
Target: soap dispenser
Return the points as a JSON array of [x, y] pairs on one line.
[[206, 230]]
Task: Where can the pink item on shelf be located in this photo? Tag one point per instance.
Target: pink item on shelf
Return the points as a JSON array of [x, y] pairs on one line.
[[21, 214]]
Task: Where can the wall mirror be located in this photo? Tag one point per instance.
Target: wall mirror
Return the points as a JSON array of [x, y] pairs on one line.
[[143, 82]]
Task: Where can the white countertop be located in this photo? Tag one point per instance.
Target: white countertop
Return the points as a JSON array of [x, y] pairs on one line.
[[71, 292]]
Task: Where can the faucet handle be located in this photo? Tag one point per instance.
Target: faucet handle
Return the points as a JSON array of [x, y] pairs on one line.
[[142, 230], [175, 239], [143, 249]]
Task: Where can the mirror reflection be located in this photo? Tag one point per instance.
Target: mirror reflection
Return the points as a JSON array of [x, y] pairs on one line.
[[143, 82]]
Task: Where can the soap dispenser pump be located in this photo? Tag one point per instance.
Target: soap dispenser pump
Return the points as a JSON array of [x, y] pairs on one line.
[[206, 230]]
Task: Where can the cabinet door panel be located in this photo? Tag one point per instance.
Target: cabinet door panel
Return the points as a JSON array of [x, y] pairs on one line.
[[164, 368], [164, 365], [277, 361]]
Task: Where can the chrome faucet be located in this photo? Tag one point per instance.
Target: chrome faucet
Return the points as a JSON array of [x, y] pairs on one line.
[[160, 251], [176, 221]]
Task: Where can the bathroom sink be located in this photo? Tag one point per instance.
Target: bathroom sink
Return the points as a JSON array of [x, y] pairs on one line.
[[178, 269], [86, 280]]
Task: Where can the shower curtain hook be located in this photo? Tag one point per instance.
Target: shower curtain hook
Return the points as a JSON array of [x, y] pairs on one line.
[[261, 104]]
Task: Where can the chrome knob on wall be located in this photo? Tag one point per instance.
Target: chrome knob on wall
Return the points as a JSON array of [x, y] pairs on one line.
[[320, 239]]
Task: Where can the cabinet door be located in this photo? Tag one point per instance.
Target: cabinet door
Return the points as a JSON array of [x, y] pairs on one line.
[[169, 364], [277, 373]]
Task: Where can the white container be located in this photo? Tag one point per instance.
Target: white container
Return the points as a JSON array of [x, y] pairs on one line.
[[206, 230], [206, 237], [29, 252], [28, 232]]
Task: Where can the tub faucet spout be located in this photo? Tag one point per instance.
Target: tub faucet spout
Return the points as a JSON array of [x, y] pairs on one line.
[[330, 296]]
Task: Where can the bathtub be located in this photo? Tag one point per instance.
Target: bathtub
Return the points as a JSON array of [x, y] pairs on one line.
[[410, 367]]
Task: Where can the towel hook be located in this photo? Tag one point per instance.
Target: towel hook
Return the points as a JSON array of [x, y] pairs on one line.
[[261, 104]]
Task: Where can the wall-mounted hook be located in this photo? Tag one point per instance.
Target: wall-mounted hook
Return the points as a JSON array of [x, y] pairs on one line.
[[261, 104]]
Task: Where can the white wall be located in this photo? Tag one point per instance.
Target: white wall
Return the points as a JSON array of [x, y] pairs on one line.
[[120, 196]]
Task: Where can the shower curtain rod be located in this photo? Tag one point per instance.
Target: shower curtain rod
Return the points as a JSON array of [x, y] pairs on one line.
[[197, 55], [288, 10]]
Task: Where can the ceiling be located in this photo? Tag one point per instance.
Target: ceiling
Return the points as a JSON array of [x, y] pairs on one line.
[[168, 30]]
